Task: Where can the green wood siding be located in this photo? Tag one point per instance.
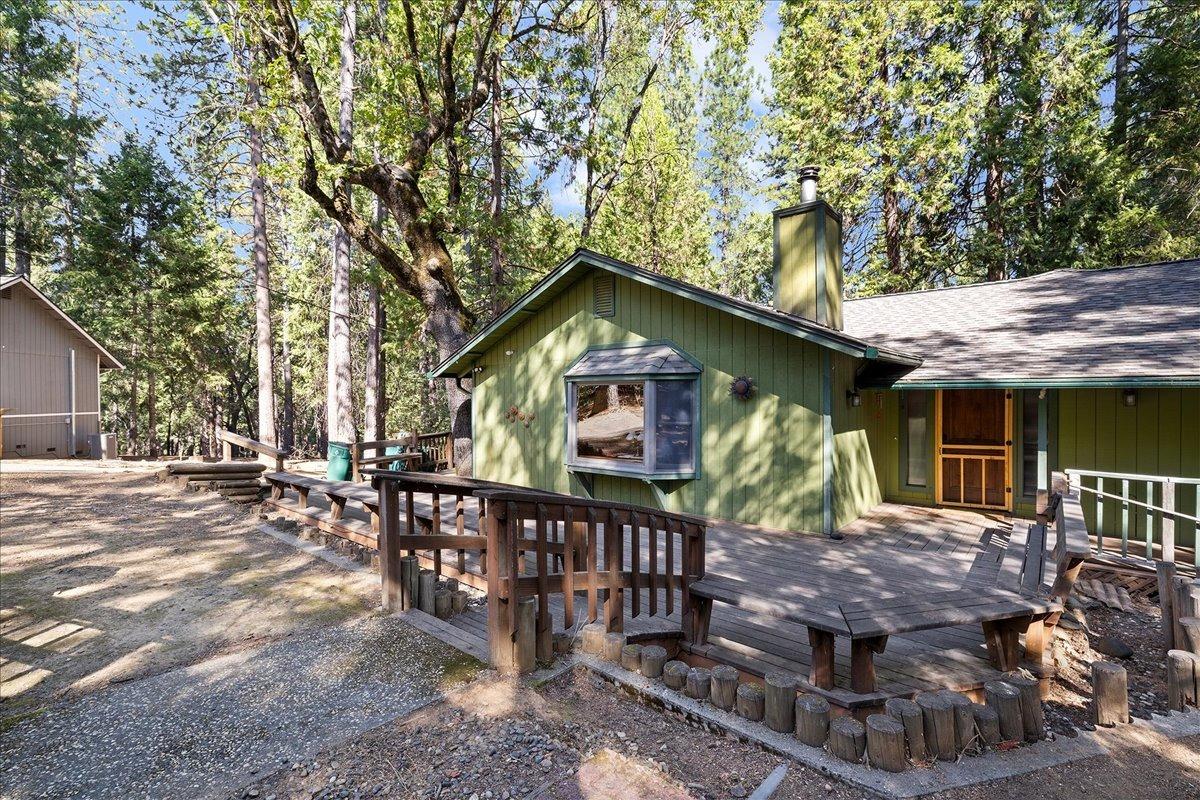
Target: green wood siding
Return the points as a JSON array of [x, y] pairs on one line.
[[1089, 429], [760, 461]]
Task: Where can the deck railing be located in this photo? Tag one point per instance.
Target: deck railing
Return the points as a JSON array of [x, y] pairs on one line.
[[538, 548], [437, 450], [1142, 515], [229, 440]]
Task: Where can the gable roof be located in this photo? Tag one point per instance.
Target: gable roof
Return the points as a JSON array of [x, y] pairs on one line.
[[1122, 326], [584, 260], [107, 359]]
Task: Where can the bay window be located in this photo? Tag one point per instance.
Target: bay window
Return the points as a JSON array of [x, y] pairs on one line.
[[633, 410]]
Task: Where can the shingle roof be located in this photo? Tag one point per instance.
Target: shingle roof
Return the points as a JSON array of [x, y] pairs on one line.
[[1123, 325], [654, 358]]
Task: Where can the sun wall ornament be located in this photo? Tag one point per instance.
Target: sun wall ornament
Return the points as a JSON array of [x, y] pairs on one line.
[[742, 387]]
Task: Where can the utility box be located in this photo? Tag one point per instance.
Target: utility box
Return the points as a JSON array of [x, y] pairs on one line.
[[103, 446]]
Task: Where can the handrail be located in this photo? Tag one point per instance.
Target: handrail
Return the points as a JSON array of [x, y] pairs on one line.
[[534, 544], [413, 442], [1129, 476], [229, 440], [1166, 510]]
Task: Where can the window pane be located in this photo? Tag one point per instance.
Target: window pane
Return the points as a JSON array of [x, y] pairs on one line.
[[673, 434], [916, 407], [610, 421], [1029, 442]]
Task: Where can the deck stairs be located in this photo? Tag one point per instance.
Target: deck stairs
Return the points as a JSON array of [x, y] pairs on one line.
[[237, 481]]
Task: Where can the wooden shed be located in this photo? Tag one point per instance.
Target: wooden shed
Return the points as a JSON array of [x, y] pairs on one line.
[[49, 375]]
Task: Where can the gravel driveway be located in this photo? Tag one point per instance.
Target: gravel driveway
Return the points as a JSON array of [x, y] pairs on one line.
[[155, 643]]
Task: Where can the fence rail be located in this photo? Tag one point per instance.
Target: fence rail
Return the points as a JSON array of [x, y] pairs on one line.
[[1124, 505], [230, 440], [547, 549]]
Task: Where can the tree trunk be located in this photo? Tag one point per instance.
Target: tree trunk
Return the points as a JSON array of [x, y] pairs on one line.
[[288, 435], [496, 278], [1121, 73], [22, 257], [993, 187], [374, 411], [339, 412], [264, 339], [891, 199]]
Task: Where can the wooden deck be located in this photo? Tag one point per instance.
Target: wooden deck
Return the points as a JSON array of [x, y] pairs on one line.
[[895, 550]]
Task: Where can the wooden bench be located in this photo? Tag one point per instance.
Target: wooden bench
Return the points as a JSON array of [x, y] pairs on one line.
[[338, 493], [1003, 616]]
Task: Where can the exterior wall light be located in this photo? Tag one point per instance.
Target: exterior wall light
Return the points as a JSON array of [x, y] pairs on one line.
[[509, 353], [853, 399], [1130, 397]]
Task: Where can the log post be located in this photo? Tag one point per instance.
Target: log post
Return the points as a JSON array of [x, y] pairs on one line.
[[820, 672], [723, 691], [1005, 700], [441, 604], [697, 683], [909, 714], [780, 701], [750, 698], [964, 720], [1033, 718], [885, 743], [613, 642], [1182, 669], [593, 638], [987, 722], [525, 642], [1191, 630], [653, 659], [675, 674], [1165, 572], [847, 739], [426, 586], [410, 588], [1110, 694], [937, 715], [631, 657], [812, 719], [458, 601]]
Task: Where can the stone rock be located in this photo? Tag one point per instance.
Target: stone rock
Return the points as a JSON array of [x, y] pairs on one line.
[[1111, 646]]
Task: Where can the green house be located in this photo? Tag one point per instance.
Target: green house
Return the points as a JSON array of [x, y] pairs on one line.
[[610, 381]]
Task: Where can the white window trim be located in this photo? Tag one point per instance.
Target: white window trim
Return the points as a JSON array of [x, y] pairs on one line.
[[649, 468]]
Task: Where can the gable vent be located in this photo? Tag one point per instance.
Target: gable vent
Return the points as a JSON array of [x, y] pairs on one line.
[[6, 294], [604, 295]]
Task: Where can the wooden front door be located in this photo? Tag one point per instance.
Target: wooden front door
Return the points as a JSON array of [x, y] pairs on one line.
[[974, 448]]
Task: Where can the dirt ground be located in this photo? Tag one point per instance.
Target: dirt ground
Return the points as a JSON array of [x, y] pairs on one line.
[[111, 577], [578, 737]]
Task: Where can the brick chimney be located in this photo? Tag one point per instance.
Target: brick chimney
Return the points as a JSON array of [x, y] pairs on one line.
[[808, 257]]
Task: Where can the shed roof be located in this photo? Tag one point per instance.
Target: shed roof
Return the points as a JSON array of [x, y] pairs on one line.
[[632, 360], [107, 359], [1122, 326], [582, 261]]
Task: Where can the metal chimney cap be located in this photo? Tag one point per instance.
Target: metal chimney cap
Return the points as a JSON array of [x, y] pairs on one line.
[[808, 183]]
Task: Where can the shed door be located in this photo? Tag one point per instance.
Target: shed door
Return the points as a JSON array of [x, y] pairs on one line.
[[975, 448]]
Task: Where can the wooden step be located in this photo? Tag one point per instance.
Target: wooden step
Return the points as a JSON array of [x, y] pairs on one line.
[[214, 467]]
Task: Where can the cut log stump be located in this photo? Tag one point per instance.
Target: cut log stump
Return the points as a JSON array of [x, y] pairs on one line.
[[593, 638], [780, 701], [885, 743], [410, 570], [722, 693], [698, 682], [987, 722], [631, 657], [847, 739], [1110, 694], [426, 586], [653, 658], [937, 715], [1183, 673], [613, 642], [1191, 630], [812, 719], [525, 649], [675, 674], [909, 714], [1033, 717], [458, 601], [750, 701], [442, 604], [964, 720], [1005, 700]]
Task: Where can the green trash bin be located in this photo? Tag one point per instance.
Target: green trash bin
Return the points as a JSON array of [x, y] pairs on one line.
[[339, 462], [396, 450]]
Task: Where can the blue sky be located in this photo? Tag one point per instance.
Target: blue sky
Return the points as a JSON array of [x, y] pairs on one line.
[[133, 106]]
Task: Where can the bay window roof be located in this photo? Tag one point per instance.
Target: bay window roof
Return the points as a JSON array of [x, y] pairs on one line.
[[649, 359]]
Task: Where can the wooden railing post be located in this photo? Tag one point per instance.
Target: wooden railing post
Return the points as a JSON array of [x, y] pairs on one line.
[[614, 607], [500, 632], [226, 450], [389, 547], [1168, 521]]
